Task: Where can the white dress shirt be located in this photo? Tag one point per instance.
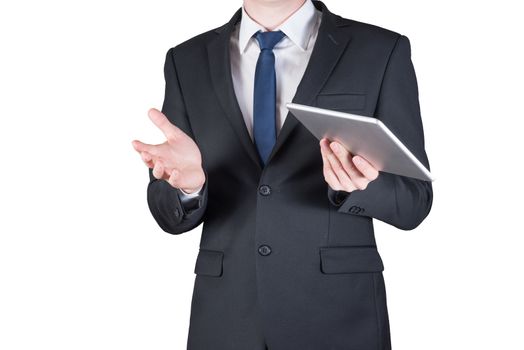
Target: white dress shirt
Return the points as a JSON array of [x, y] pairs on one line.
[[292, 55]]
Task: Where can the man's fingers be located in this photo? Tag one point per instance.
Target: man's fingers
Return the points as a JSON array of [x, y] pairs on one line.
[[158, 170], [358, 180], [343, 170], [147, 159], [336, 167], [341, 174], [331, 178], [144, 147], [173, 178], [170, 131], [329, 174], [365, 168], [344, 157]]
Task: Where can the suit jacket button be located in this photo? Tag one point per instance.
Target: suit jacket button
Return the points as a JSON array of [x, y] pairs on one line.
[[264, 250], [177, 212], [264, 190]]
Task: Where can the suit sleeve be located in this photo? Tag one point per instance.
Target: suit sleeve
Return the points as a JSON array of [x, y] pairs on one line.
[[165, 201], [401, 201]]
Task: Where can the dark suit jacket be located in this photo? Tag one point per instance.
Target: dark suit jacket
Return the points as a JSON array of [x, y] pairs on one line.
[[285, 261]]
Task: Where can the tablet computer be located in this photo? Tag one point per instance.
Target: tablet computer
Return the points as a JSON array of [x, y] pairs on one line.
[[364, 136]]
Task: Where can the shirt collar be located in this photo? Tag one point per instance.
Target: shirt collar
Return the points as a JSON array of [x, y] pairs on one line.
[[297, 28]]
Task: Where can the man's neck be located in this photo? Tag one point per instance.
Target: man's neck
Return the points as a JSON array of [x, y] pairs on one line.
[[271, 13]]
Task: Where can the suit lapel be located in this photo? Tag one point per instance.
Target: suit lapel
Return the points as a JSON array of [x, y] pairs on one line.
[[220, 68], [331, 42]]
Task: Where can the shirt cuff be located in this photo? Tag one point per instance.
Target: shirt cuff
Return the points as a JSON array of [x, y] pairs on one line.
[[184, 194]]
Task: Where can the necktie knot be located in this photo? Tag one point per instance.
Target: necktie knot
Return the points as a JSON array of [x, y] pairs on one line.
[[268, 40]]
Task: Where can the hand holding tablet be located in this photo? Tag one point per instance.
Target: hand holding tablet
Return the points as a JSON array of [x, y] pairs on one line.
[[364, 136]]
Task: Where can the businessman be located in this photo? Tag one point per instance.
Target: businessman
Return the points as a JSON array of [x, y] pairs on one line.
[[288, 258]]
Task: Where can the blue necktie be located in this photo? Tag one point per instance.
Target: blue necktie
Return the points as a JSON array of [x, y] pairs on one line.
[[264, 103]]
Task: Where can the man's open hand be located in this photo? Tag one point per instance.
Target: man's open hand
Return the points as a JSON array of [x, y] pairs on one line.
[[342, 170], [177, 160]]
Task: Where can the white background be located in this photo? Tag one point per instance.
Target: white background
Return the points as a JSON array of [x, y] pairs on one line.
[[83, 265]]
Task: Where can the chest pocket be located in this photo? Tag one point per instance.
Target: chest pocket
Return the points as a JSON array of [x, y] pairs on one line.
[[341, 102]]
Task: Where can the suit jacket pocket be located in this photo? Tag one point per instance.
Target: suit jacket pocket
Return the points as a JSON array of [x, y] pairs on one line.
[[341, 102], [350, 259], [209, 263]]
